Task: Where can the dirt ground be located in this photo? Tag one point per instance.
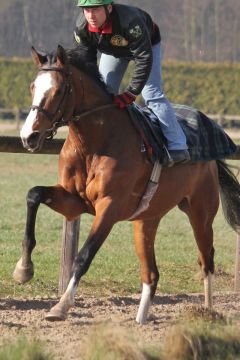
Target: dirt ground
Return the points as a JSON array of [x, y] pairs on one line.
[[64, 339]]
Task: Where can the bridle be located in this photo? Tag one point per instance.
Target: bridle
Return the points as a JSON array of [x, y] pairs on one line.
[[49, 133], [51, 116]]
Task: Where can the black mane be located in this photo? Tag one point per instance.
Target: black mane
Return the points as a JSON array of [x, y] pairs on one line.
[[78, 59], [81, 62]]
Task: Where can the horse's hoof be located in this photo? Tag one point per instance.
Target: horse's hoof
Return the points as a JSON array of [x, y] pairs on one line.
[[55, 315], [23, 274]]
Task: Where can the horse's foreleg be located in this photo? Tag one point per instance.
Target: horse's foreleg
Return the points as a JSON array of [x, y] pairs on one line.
[[144, 234], [59, 200], [24, 269], [101, 227]]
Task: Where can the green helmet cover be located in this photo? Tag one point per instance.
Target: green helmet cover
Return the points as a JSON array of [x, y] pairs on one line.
[[92, 3]]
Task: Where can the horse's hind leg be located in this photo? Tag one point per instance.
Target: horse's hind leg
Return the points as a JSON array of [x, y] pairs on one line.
[[144, 235], [56, 198], [201, 215]]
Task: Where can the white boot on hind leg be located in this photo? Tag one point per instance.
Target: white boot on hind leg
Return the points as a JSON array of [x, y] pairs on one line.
[[208, 292], [144, 304]]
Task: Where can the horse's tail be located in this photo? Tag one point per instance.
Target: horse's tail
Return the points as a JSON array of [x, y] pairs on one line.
[[230, 195]]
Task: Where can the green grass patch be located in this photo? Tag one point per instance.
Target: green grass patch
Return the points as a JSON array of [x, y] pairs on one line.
[[24, 349]]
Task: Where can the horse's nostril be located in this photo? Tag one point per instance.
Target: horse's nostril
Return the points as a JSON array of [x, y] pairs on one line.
[[32, 140]]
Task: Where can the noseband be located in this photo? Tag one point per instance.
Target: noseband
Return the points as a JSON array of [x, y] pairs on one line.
[[67, 91]]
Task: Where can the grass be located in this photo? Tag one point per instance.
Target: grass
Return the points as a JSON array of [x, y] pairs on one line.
[[201, 335], [115, 268], [107, 341], [24, 349]]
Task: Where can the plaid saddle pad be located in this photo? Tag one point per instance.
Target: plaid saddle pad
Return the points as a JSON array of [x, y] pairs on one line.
[[205, 138]]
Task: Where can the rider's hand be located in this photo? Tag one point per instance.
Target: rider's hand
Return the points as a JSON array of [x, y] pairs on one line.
[[124, 99]]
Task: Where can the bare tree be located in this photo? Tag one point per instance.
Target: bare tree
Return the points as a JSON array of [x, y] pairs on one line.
[[193, 30], [27, 21], [217, 29]]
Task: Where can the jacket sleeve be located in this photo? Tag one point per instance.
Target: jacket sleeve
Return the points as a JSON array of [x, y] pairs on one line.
[[141, 50]]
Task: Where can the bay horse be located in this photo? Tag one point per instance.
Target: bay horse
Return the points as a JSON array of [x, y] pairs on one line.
[[103, 172]]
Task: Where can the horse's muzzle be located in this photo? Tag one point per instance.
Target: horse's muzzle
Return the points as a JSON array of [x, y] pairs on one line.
[[32, 142]]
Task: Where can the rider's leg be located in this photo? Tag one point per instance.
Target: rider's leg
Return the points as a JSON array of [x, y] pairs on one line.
[[155, 99], [112, 70]]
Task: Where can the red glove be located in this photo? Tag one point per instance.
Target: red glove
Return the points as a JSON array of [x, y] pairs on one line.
[[124, 99]]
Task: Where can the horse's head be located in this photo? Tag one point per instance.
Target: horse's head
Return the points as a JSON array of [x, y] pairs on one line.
[[51, 92]]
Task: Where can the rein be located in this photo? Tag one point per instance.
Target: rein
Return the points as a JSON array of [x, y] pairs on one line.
[[90, 112]]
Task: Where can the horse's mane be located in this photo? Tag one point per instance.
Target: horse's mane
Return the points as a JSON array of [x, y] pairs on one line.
[[78, 59]]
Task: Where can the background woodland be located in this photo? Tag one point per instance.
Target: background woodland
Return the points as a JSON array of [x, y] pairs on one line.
[[192, 30]]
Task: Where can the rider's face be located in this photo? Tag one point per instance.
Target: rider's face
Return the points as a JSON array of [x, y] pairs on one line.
[[96, 16]]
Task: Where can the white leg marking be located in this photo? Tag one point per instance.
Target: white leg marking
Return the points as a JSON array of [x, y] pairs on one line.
[[144, 304], [59, 311], [43, 83], [208, 291], [71, 290]]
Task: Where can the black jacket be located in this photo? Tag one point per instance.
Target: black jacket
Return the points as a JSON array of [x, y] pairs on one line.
[[133, 34]]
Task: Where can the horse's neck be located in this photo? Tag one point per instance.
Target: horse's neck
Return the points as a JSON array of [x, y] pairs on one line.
[[98, 130], [88, 93], [86, 133]]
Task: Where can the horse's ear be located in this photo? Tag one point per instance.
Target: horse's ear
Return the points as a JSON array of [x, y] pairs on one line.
[[61, 56], [38, 59]]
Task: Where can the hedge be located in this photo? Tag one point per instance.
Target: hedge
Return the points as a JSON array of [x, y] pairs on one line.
[[213, 88], [15, 79]]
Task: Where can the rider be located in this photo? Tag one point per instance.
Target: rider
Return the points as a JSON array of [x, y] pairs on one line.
[[123, 33]]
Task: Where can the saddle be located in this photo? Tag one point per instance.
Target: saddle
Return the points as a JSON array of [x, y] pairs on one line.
[[206, 140]]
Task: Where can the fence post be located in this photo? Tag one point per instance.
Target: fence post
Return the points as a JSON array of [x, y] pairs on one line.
[[69, 250], [17, 117], [237, 265]]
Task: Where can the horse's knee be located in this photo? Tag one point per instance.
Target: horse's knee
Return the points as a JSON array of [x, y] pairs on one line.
[[34, 196]]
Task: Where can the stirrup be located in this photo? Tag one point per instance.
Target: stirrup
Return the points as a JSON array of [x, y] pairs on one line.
[[169, 161]]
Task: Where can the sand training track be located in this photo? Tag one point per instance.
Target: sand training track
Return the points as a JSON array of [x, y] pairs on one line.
[[26, 317]]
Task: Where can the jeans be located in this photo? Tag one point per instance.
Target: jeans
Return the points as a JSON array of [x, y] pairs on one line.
[[113, 69]]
